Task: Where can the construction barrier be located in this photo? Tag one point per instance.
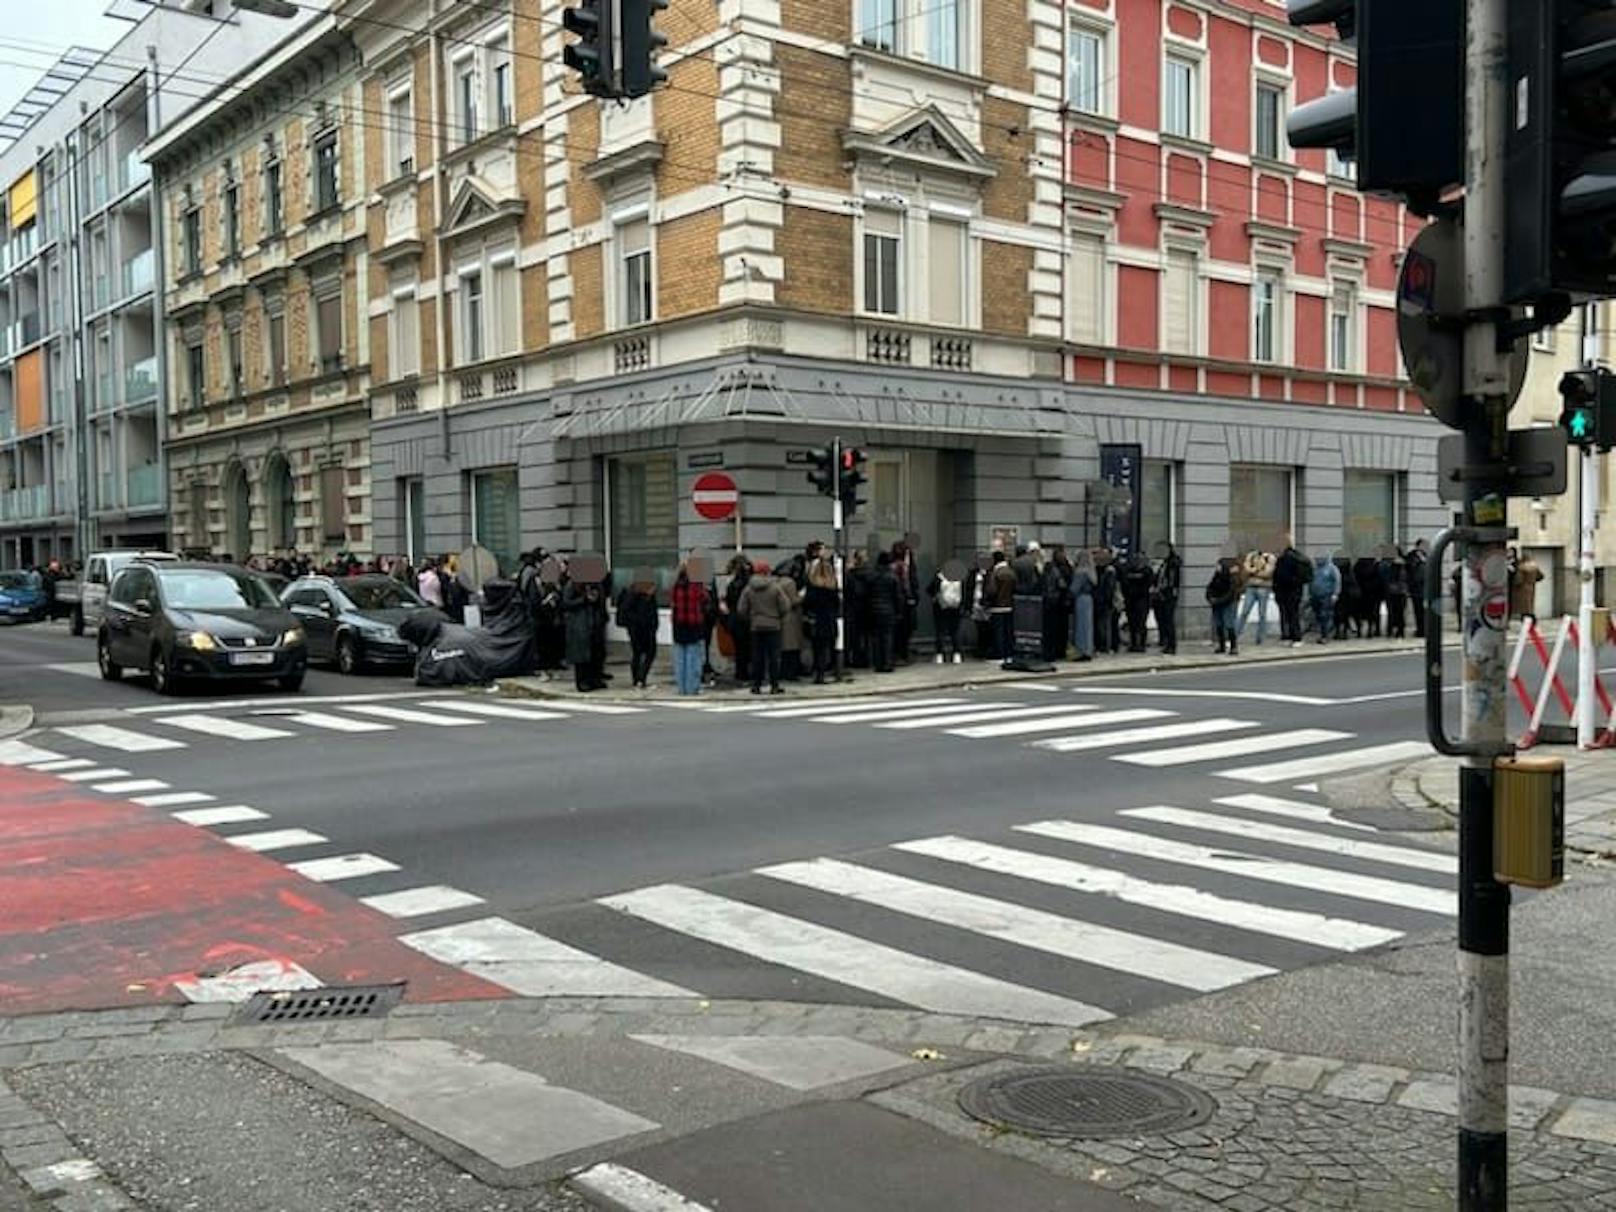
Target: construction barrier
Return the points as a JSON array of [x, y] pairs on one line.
[[1536, 705]]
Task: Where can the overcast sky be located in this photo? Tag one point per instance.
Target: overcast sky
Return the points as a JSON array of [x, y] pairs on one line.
[[29, 46]]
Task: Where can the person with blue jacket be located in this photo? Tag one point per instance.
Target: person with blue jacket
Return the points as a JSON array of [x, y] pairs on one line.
[[1324, 589]]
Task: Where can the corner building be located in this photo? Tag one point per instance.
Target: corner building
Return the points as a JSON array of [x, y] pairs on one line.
[[981, 239]]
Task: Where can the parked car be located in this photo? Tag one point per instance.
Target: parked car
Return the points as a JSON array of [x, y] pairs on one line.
[[180, 621], [22, 600], [353, 621], [86, 598]]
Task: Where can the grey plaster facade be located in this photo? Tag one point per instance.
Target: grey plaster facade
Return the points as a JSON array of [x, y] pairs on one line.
[[1009, 453]]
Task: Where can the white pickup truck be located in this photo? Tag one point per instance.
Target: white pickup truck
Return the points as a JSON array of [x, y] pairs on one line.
[[88, 595]]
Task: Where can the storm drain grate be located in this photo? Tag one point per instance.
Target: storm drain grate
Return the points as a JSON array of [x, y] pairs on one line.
[[1060, 1102], [304, 1005]]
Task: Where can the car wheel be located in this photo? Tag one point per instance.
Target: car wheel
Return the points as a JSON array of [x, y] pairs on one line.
[[110, 669], [348, 661], [162, 676], [292, 682], [77, 626]]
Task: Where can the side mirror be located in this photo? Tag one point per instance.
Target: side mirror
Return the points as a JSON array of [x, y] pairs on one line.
[[143, 606], [326, 608]]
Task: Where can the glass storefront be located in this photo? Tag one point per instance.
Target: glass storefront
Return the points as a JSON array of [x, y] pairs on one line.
[[1368, 512], [1259, 507], [643, 504], [496, 517]]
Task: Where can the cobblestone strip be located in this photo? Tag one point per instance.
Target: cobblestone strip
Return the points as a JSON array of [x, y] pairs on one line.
[[49, 1163]]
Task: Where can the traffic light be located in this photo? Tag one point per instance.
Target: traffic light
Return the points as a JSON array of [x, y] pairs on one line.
[[1560, 210], [591, 56], [852, 478], [641, 42], [1403, 125], [823, 476], [1588, 414]]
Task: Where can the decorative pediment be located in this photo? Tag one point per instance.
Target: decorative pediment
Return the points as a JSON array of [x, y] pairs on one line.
[[924, 140], [477, 205]]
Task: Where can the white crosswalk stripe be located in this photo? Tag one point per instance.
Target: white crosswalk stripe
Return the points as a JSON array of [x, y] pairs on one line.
[[127, 786], [1330, 763], [794, 711], [418, 902], [342, 867], [275, 839], [1274, 806], [500, 711], [221, 726], [592, 708], [406, 715], [1181, 899], [109, 737], [1057, 723], [21, 753], [1303, 839], [1250, 866], [58, 765], [227, 814], [1138, 736], [327, 721], [1183, 755], [847, 959], [895, 714], [1136, 954], [174, 799], [976, 715], [94, 775]]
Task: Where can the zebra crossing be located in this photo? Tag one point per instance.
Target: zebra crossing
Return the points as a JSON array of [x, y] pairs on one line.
[[175, 727], [1135, 736]]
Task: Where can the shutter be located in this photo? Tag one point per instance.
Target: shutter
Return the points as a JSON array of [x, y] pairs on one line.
[[507, 307], [1178, 303], [1086, 319], [945, 264]]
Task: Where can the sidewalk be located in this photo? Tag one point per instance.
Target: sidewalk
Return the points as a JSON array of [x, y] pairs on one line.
[[924, 674]]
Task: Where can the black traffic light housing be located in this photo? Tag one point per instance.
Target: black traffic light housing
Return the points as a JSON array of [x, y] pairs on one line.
[[1588, 412], [641, 42], [1560, 209], [1403, 125], [591, 56], [851, 479], [823, 476]]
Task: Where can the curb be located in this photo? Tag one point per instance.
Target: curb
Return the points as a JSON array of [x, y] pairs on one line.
[[983, 673], [15, 720]]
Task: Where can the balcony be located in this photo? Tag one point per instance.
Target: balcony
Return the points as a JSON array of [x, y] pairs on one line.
[[25, 332], [100, 293], [8, 425], [132, 171], [140, 381], [98, 190], [23, 503], [145, 487], [138, 273]]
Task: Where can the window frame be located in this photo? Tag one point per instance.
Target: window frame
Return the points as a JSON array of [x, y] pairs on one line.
[[406, 302], [1175, 55], [1280, 92], [951, 217], [1342, 358], [325, 141], [463, 78], [401, 132], [899, 278], [196, 373], [1102, 286], [909, 29], [274, 196], [473, 336], [626, 260], [275, 345], [500, 81], [1275, 280], [1172, 253], [191, 240], [1100, 33], [322, 295], [230, 204]]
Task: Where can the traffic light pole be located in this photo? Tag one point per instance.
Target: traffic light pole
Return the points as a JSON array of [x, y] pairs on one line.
[[1483, 959], [1588, 505]]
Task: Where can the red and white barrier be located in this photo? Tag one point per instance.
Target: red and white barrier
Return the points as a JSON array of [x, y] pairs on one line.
[[1536, 706]]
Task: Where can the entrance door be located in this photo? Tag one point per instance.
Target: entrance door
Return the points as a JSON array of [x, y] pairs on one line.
[[912, 493]]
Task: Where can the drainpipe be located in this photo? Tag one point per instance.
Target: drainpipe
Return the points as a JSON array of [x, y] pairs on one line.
[[159, 232], [73, 270], [439, 207]]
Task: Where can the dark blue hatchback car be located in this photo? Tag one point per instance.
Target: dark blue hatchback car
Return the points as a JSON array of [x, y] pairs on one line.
[[21, 600]]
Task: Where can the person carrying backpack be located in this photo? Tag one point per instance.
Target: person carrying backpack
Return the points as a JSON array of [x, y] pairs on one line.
[[947, 596]]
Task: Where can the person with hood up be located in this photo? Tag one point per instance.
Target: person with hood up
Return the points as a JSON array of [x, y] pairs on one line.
[[1136, 581], [585, 610], [886, 605], [765, 605], [1083, 587], [637, 615], [1323, 591], [1222, 592], [1107, 632], [1164, 597], [1417, 559], [821, 606], [1258, 570]]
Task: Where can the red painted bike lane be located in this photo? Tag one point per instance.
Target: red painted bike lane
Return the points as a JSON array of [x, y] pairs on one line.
[[106, 903]]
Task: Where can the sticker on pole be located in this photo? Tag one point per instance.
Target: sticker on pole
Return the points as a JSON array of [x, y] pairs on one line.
[[715, 496]]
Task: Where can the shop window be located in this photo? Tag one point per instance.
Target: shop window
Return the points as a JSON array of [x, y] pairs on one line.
[[1259, 507], [1369, 512], [496, 516], [643, 512], [1158, 505]]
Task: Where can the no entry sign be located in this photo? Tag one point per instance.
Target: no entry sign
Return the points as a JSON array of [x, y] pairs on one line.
[[715, 496]]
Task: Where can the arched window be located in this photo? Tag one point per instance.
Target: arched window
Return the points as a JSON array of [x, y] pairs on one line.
[[280, 500]]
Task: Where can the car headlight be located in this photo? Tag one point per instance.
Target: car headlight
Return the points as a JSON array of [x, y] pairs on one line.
[[199, 640], [384, 634], [293, 635]]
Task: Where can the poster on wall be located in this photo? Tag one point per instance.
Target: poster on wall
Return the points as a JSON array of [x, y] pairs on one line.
[[1004, 538], [1121, 468]]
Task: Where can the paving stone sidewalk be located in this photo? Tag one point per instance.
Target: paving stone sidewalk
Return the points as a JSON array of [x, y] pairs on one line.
[[1590, 811], [1290, 1131]]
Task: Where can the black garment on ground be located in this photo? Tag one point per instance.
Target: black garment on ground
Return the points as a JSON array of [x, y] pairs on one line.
[[506, 636], [447, 656]]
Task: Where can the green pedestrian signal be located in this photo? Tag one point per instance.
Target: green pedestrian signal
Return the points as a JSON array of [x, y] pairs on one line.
[[1579, 423], [1588, 414]]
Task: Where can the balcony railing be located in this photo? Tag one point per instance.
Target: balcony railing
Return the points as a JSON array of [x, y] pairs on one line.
[[132, 171], [144, 486], [140, 381], [20, 503], [137, 273], [8, 425], [25, 331]]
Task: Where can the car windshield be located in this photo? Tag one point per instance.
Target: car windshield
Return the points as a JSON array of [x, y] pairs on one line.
[[383, 594], [13, 580], [196, 589]]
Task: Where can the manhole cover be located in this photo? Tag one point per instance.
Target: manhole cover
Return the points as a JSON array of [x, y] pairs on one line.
[[358, 1001], [1064, 1102]]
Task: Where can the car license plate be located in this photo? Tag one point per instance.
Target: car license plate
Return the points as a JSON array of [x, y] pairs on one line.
[[252, 658], [18, 610]]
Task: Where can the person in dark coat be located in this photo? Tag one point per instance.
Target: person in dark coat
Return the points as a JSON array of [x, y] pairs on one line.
[[585, 611], [1001, 607], [1347, 607], [1057, 605], [1164, 597], [1136, 580], [1222, 592], [740, 628], [1292, 574], [947, 597], [886, 605], [1394, 575], [857, 638], [1371, 592], [1417, 559], [821, 607], [637, 615], [908, 579], [1107, 631], [974, 606], [766, 603]]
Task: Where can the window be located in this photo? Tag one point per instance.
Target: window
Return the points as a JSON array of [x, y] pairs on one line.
[[1180, 298], [1085, 68], [232, 219], [634, 245], [1369, 512], [881, 244], [414, 500], [1085, 322], [232, 339], [465, 91], [401, 133], [404, 333], [1180, 113], [1340, 165], [1269, 110], [1158, 501], [273, 208], [1265, 342], [500, 97], [942, 33], [643, 511], [946, 245], [328, 328], [505, 312], [325, 171], [471, 315], [334, 504], [275, 372], [191, 239], [935, 31], [495, 517], [1343, 320], [1259, 507], [878, 23], [196, 369]]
